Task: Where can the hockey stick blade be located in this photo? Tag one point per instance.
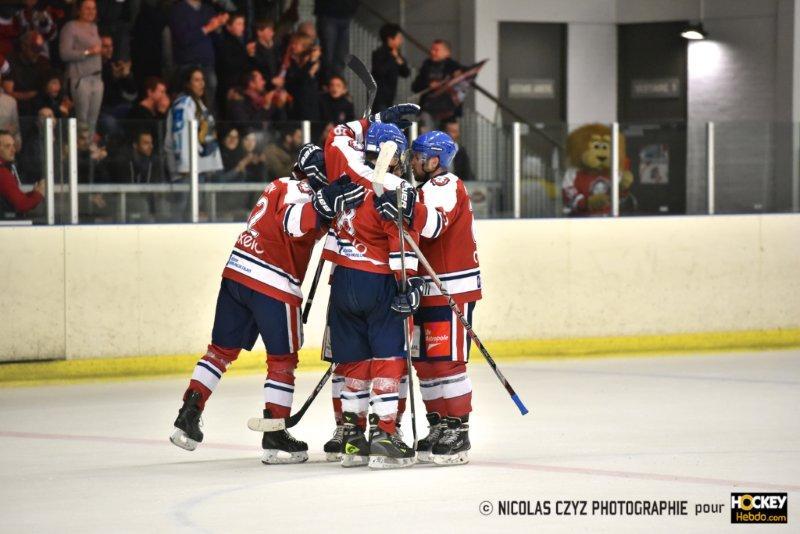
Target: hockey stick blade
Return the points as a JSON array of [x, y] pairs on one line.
[[259, 424], [385, 156], [360, 70]]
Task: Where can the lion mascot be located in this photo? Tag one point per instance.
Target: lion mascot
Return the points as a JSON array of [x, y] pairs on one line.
[[587, 182]]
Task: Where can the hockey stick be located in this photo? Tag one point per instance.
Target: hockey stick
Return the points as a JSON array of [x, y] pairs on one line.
[[363, 74], [313, 290], [465, 323]]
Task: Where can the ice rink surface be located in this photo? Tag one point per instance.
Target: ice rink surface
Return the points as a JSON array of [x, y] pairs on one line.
[[95, 457]]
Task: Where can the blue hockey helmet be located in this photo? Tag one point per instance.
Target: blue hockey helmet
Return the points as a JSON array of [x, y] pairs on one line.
[[311, 163], [436, 144], [380, 132]]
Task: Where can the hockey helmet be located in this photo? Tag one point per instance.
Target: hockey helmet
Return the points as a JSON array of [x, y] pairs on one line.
[[436, 144]]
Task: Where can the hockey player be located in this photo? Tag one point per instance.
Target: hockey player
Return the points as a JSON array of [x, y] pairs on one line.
[[260, 294], [443, 216], [367, 308]]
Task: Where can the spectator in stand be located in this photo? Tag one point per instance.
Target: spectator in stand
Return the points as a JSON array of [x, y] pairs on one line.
[[9, 29], [52, 97], [147, 45], [301, 78], [253, 161], [336, 105], [461, 164], [9, 116], [280, 155], [254, 106], [233, 57], [29, 68], [191, 24], [13, 202], [34, 17], [119, 86], [137, 163], [147, 114], [232, 154], [265, 54], [79, 45], [333, 27], [435, 71], [93, 169], [30, 157], [387, 65]]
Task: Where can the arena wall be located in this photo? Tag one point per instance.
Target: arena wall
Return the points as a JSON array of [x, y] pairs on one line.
[[104, 291]]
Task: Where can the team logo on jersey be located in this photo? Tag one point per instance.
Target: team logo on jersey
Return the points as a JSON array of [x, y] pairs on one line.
[[345, 221], [437, 339], [355, 145], [249, 242], [440, 180], [305, 188]]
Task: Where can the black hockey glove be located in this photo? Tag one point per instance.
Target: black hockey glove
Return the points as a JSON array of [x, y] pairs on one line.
[[407, 303], [339, 196], [394, 115], [386, 204]]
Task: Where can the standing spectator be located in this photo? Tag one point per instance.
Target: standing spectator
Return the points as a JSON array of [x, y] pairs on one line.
[[29, 68], [119, 86], [147, 114], [387, 65], [333, 27], [461, 164], [9, 29], [265, 53], [13, 202], [255, 106], [33, 17], [191, 24], [301, 78], [234, 60], [336, 105], [52, 97], [190, 105], [434, 72], [281, 154], [146, 43], [79, 46]]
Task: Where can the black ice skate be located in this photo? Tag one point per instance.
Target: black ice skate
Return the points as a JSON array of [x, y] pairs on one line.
[[333, 448], [388, 451], [453, 447], [187, 426], [355, 447], [280, 447], [436, 428]]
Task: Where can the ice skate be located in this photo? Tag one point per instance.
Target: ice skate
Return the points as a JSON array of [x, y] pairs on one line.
[[355, 447], [333, 447], [436, 427], [453, 447], [280, 447], [388, 451], [187, 434]]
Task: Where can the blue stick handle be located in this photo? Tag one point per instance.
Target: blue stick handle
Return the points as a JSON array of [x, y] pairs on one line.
[[519, 404]]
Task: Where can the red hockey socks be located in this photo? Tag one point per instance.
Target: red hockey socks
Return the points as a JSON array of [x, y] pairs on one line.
[[384, 397], [209, 370], [279, 386]]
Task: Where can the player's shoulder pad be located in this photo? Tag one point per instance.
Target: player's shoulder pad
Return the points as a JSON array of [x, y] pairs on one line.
[[442, 191], [297, 192]]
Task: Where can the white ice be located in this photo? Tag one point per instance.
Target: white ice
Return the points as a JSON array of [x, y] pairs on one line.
[[95, 457]]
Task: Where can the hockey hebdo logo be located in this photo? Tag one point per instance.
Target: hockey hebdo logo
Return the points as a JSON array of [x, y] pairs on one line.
[[759, 508]]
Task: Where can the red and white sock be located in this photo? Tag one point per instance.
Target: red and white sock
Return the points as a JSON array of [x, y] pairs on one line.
[[209, 370], [337, 384], [279, 386]]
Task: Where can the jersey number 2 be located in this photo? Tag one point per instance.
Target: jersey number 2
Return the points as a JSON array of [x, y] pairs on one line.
[[258, 212]]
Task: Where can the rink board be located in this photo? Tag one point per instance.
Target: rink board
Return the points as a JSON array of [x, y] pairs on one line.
[[85, 292]]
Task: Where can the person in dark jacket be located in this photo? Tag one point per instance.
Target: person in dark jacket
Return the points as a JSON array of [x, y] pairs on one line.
[[265, 53], [253, 105], [336, 106], [388, 64], [461, 165], [233, 57], [301, 78], [436, 70], [333, 27]]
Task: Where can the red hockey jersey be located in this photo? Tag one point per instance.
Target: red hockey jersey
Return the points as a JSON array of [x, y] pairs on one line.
[[272, 254], [443, 217], [580, 184], [361, 239]]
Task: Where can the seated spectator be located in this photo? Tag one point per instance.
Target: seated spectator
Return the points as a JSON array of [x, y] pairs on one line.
[[301, 78], [93, 169], [253, 161], [148, 113], [265, 53], [34, 16], [336, 105], [254, 106], [232, 154], [137, 164], [280, 155], [9, 29], [233, 59], [435, 71], [29, 67], [387, 65], [461, 165], [13, 202], [9, 117], [52, 97], [30, 157]]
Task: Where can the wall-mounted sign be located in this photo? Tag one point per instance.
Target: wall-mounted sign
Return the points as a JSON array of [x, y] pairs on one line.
[[536, 88], [656, 88]]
